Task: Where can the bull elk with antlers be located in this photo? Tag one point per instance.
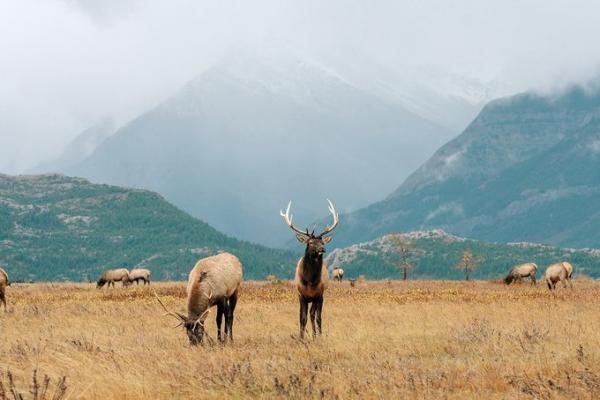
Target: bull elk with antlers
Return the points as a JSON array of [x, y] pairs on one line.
[[213, 281], [311, 272]]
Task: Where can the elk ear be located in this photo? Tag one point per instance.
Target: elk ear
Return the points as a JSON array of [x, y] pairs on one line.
[[302, 238], [202, 276], [327, 239]]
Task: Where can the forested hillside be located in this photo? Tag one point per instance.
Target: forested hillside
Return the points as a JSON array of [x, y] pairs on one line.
[[54, 227]]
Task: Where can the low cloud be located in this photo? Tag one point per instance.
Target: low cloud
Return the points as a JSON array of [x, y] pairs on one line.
[[65, 64]]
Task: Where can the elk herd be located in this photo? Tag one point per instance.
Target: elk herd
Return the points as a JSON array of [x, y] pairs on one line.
[[216, 281], [559, 272], [110, 276]]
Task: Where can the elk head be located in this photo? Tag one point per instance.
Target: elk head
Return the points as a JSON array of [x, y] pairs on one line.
[[127, 281], [193, 327], [195, 331], [315, 244]]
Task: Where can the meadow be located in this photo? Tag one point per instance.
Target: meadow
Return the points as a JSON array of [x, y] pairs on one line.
[[382, 339]]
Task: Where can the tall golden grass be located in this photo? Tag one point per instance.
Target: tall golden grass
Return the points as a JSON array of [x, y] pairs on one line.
[[419, 339]]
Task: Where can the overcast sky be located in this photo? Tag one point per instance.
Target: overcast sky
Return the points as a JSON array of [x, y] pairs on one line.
[[66, 64]]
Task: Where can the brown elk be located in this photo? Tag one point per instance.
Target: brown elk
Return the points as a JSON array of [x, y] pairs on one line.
[[110, 276], [338, 274], [214, 281], [558, 273], [311, 272], [519, 272], [139, 274], [4, 282]]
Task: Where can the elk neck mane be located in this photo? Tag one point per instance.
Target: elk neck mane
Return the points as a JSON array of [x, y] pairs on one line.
[[198, 297], [312, 264]]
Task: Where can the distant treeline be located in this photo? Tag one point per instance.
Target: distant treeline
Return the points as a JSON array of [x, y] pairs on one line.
[[436, 259]]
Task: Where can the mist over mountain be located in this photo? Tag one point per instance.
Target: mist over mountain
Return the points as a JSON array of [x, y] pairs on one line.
[[526, 169], [448, 99], [254, 131], [79, 148], [70, 63]]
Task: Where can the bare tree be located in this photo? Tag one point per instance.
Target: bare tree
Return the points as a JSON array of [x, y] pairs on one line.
[[404, 249], [469, 263]]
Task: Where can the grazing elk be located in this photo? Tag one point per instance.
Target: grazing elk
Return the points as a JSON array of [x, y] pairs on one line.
[[4, 282], [519, 272], [338, 274], [311, 272], [139, 274], [213, 281], [110, 276], [557, 273]]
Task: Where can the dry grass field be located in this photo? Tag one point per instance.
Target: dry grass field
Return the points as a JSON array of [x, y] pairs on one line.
[[451, 340]]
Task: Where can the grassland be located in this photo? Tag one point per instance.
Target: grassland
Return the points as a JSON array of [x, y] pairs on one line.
[[419, 339]]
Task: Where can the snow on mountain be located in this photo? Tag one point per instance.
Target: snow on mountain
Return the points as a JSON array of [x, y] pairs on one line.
[[448, 99]]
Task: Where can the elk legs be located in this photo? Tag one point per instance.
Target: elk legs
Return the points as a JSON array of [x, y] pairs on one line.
[[231, 302], [315, 315], [220, 310], [319, 306], [313, 309], [225, 308], [303, 316]]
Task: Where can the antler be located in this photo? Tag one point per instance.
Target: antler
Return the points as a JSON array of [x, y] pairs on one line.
[[182, 318], [201, 318], [336, 219], [288, 220]]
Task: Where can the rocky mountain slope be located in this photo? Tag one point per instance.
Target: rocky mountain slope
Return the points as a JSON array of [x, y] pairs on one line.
[[526, 169], [54, 227]]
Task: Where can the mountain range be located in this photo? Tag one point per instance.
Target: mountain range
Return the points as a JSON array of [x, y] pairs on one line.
[[251, 133], [58, 228], [526, 169]]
